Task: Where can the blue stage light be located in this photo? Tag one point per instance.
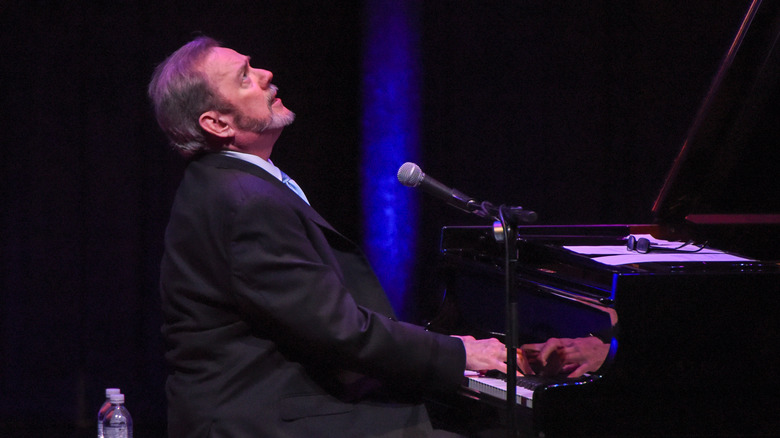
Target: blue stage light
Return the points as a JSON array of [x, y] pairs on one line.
[[390, 137]]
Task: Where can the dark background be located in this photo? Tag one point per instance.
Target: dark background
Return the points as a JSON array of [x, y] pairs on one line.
[[573, 109]]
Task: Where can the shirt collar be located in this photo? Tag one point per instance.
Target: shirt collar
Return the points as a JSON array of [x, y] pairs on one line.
[[268, 166]]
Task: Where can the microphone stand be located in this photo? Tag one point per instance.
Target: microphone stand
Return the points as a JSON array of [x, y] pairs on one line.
[[410, 175], [510, 264], [508, 217]]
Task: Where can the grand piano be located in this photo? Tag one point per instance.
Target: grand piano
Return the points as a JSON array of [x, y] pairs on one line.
[[693, 331]]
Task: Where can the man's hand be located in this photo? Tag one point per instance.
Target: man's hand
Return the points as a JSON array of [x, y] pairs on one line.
[[484, 354], [574, 357]]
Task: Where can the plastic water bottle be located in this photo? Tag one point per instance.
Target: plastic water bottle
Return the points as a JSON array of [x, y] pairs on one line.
[[117, 422], [103, 409]]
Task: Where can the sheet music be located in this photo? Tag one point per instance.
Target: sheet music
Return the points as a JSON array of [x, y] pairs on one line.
[[614, 255]]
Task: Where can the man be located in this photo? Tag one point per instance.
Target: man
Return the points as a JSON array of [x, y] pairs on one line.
[[274, 322]]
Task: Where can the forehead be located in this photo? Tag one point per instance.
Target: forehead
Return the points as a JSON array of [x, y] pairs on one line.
[[222, 62]]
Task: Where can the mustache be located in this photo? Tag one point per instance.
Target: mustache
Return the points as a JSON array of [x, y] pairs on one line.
[[274, 90]]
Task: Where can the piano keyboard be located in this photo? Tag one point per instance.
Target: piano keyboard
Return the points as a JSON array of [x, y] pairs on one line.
[[496, 387]]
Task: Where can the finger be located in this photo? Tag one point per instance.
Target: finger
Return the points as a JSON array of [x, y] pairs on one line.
[[501, 352], [522, 363], [499, 366], [569, 368], [548, 349], [531, 348], [531, 357], [579, 372], [525, 368], [570, 355]]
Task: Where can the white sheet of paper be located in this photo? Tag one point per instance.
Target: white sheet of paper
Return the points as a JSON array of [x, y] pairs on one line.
[[620, 255]]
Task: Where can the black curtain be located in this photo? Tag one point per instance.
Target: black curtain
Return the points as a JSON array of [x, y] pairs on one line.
[[88, 179], [573, 110]]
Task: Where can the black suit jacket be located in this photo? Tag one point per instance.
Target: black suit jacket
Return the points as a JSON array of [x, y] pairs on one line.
[[275, 323]]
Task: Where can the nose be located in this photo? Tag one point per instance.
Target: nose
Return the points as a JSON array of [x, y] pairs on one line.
[[264, 77]]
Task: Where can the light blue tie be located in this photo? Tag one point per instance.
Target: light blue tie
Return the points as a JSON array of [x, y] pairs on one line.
[[289, 182]]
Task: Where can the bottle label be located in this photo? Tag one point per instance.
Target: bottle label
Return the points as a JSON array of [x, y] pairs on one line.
[[117, 432]]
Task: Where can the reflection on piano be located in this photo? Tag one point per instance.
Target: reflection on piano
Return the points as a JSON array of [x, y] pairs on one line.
[[695, 345]]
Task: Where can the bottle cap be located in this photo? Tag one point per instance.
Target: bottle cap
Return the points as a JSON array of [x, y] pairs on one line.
[[110, 391], [117, 398]]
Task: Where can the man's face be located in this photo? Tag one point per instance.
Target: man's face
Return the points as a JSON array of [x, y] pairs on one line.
[[248, 89]]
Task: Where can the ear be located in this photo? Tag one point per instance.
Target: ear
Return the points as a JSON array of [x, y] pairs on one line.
[[216, 123]]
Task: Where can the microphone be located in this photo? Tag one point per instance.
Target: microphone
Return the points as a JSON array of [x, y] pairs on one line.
[[410, 175]]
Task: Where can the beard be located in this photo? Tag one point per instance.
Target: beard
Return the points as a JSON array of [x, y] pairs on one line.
[[258, 126], [277, 121]]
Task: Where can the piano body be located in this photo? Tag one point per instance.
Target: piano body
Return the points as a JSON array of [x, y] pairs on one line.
[[694, 352], [695, 339]]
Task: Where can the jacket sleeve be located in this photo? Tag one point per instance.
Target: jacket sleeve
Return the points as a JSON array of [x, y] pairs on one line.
[[288, 288]]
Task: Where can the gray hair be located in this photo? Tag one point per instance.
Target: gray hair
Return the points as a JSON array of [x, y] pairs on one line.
[[180, 92]]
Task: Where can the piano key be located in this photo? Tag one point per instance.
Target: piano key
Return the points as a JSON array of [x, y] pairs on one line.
[[495, 387]]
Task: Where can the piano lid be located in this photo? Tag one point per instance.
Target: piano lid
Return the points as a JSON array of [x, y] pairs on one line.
[[728, 164]]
